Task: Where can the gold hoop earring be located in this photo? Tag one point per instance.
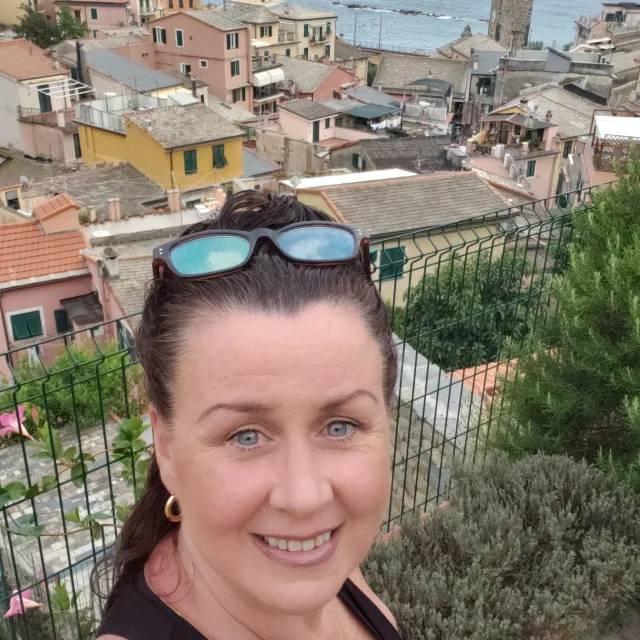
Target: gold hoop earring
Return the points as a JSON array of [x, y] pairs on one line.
[[168, 509]]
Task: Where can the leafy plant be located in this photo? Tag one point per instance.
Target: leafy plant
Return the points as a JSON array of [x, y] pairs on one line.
[[538, 549], [463, 315], [68, 27], [579, 392], [44, 33]]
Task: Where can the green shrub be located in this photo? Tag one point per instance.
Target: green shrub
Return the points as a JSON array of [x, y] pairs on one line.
[[537, 549], [579, 389], [81, 385]]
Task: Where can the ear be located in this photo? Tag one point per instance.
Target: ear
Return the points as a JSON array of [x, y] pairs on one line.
[[161, 445]]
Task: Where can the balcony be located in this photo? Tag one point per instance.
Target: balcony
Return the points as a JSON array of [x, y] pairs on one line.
[[63, 119], [265, 94], [86, 114], [286, 36], [259, 63]]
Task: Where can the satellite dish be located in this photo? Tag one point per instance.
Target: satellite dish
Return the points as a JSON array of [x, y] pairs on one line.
[[24, 181], [296, 181]]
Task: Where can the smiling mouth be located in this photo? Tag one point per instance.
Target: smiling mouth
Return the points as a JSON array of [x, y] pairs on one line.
[[298, 545]]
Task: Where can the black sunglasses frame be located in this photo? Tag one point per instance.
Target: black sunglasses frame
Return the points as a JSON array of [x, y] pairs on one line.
[[162, 254]]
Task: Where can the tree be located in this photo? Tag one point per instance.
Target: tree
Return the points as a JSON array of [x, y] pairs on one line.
[[35, 27], [535, 45], [568, 46], [69, 28], [464, 314], [579, 392]]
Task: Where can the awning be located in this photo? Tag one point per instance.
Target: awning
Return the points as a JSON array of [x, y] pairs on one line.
[[84, 310], [270, 76]]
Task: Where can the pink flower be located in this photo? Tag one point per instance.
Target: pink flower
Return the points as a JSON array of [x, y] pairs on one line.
[[11, 425], [18, 606], [34, 414]]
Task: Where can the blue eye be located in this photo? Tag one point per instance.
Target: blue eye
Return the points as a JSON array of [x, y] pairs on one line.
[[247, 438], [340, 429]]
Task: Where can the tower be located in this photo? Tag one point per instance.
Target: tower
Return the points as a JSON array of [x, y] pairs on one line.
[[510, 22]]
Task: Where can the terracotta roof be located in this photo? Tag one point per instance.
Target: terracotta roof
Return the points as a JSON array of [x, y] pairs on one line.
[[485, 380], [54, 206], [22, 60], [27, 252]]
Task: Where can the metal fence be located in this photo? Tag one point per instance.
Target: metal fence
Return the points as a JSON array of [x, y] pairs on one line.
[[460, 295]]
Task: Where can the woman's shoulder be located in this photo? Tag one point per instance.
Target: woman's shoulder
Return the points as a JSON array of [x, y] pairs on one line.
[[137, 614], [358, 580]]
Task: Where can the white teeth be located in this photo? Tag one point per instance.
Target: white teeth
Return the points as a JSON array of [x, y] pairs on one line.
[[297, 545]]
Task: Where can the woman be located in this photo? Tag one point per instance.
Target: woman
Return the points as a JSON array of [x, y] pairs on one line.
[[270, 368]]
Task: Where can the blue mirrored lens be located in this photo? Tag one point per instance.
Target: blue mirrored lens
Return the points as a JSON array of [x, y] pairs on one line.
[[318, 244], [209, 255]]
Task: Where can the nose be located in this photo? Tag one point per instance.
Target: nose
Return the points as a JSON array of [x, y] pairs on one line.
[[303, 487]]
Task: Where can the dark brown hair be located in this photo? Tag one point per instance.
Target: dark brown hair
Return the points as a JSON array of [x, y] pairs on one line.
[[269, 283]]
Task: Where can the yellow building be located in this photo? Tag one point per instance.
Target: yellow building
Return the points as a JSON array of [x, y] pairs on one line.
[[11, 10], [179, 147]]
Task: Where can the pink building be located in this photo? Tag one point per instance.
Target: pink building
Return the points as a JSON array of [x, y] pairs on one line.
[[113, 14], [614, 16], [44, 281], [307, 120], [315, 80], [211, 47]]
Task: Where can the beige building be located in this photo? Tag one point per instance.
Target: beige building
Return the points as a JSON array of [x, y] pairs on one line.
[[412, 220], [11, 10], [352, 59]]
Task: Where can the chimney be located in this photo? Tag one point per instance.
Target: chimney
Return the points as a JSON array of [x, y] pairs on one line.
[[193, 87], [113, 208], [80, 61], [54, 58], [549, 116], [111, 263]]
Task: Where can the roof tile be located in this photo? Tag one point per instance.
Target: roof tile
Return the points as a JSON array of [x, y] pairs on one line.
[[54, 206], [26, 251], [23, 60]]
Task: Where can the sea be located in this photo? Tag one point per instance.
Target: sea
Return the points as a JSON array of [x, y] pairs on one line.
[[441, 21]]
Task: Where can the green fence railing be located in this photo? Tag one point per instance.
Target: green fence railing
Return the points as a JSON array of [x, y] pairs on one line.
[[460, 296]]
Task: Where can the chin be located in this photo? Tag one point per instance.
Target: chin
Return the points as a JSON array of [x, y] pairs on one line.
[[298, 598]]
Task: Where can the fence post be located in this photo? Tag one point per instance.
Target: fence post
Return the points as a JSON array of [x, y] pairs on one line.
[[113, 207]]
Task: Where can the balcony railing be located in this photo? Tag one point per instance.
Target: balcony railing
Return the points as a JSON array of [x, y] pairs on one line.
[[86, 114], [270, 91], [286, 36], [263, 62]]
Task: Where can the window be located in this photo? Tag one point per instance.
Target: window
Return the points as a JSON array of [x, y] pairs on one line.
[[266, 32], [204, 64], [62, 321], [191, 4], [240, 95], [160, 35], [185, 68], [170, 4], [357, 161], [327, 50], [180, 4], [219, 160], [190, 161], [328, 28], [327, 123], [78, 16], [94, 13], [305, 53], [27, 324], [44, 98], [232, 41], [306, 30], [531, 169], [287, 52], [235, 68], [179, 38], [484, 85], [567, 149], [392, 263], [77, 149], [13, 199]]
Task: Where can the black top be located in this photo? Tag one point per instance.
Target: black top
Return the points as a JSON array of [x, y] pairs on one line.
[[139, 614]]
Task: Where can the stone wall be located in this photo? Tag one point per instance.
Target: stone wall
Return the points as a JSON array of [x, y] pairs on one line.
[[507, 17]]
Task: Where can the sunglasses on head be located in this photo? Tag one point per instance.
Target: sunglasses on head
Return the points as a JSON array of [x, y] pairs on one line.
[[220, 251]]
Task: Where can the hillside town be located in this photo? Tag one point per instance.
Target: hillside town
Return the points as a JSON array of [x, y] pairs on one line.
[[125, 122]]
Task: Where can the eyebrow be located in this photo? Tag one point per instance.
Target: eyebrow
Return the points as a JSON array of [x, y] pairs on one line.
[[257, 407]]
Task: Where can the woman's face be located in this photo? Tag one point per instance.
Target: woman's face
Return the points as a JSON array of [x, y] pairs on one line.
[[278, 453]]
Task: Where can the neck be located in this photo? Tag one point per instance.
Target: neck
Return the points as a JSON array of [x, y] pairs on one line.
[[182, 579]]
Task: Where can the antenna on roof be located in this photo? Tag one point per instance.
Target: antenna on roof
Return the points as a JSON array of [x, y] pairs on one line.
[[24, 181]]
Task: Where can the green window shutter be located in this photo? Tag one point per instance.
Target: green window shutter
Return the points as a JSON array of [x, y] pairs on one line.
[[94, 14], [270, 31], [306, 30], [287, 52], [163, 36], [305, 52], [179, 38], [373, 255], [531, 168], [155, 35], [392, 263], [328, 28], [219, 159], [228, 41], [244, 94], [26, 325], [62, 321], [262, 32], [190, 161]]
